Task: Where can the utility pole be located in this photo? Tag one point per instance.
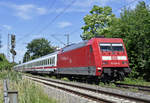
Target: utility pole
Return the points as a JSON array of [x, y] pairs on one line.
[[8, 47], [67, 35]]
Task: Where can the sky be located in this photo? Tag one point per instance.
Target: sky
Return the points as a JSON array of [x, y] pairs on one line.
[[51, 19]]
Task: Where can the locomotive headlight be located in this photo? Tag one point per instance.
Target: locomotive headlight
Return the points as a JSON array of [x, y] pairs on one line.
[[121, 57], [99, 69], [106, 57]]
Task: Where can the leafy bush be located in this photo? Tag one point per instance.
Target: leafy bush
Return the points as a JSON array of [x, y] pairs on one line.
[[4, 64]]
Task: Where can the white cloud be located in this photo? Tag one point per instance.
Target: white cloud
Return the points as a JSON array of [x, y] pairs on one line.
[[41, 11], [8, 27], [64, 24], [82, 6], [88, 3], [78, 6], [25, 11]]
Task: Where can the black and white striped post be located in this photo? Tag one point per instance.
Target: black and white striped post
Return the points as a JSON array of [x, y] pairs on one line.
[[6, 99]]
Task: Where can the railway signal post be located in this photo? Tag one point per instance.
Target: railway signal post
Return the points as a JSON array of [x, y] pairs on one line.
[[13, 42]]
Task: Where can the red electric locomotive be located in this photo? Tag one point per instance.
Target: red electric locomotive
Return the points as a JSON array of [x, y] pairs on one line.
[[104, 58], [99, 57]]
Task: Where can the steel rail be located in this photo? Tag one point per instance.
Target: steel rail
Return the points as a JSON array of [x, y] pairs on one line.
[[132, 98], [139, 87]]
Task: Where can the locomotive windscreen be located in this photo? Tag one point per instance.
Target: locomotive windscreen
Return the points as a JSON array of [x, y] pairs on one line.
[[111, 47]]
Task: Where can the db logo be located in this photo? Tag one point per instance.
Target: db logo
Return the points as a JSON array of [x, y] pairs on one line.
[[114, 57]]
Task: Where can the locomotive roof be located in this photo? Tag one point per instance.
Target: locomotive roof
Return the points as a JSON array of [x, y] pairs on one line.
[[84, 43], [74, 46]]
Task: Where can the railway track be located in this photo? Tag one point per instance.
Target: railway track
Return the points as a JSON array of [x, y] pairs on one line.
[[88, 92], [139, 87]]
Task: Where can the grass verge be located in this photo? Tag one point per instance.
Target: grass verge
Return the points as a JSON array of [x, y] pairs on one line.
[[138, 81], [28, 91]]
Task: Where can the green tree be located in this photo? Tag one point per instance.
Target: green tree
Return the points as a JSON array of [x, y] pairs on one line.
[[98, 22], [134, 27], [37, 48], [26, 57]]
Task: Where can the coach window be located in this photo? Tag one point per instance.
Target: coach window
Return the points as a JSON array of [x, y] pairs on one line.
[[50, 61], [43, 62], [46, 61], [53, 60]]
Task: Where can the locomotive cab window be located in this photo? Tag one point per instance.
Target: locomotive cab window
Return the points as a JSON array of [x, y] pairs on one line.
[[117, 47], [111, 47], [105, 47]]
